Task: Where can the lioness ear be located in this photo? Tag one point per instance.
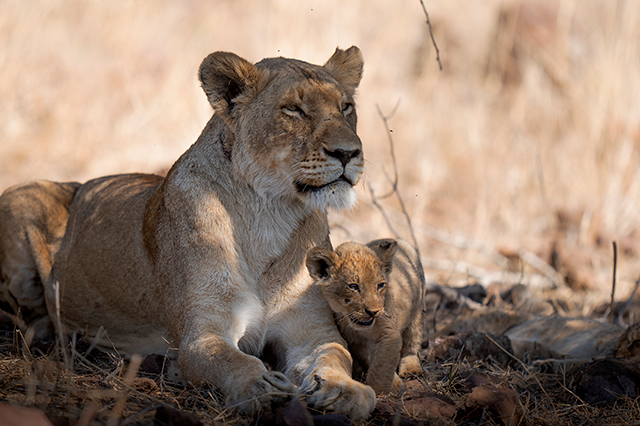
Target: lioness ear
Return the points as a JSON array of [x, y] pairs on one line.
[[385, 249], [224, 76], [346, 67], [320, 261]]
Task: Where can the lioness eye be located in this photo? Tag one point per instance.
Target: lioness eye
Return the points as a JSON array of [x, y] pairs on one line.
[[346, 109], [381, 286], [353, 287], [293, 109]]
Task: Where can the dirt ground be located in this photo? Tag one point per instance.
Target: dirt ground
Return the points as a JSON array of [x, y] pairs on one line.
[[517, 164]]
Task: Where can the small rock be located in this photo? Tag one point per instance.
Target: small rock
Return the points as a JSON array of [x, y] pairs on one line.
[[417, 402], [474, 378], [429, 406], [608, 379], [504, 402]]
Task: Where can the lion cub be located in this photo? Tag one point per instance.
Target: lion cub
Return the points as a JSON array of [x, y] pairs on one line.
[[375, 291]]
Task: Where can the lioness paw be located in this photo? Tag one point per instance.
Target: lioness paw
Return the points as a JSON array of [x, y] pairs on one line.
[[256, 396], [339, 393]]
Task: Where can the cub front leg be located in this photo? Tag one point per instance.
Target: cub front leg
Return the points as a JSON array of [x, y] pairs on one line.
[[247, 385], [382, 369], [412, 338]]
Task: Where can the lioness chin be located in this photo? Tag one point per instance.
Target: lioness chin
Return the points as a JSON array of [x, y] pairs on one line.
[[375, 291], [210, 259]]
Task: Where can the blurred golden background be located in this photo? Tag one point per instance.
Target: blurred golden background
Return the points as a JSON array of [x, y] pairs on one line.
[[526, 143]]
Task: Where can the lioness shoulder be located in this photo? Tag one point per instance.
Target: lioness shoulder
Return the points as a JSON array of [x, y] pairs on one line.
[[375, 291]]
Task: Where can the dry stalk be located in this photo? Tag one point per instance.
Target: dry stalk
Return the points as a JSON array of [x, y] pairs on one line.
[[613, 280], [121, 401]]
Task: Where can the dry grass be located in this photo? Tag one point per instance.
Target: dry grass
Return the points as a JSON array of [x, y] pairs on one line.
[[528, 139]]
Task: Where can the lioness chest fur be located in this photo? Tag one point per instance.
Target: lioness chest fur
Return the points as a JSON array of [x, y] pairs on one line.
[[375, 291], [210, 259]]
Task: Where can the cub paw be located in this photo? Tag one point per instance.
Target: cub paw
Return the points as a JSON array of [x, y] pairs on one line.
[[410, 365], [258, 395], [339, 393], [397, 386]]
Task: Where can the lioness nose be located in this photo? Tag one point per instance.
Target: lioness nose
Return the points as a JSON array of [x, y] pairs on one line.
[[372, 314], [343, 155]]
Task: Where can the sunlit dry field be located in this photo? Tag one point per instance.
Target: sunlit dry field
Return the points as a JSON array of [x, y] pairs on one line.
[[528, 136], [519, 161]]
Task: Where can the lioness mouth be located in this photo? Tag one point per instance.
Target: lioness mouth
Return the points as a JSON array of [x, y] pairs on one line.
[[364, 323], [303, 187]]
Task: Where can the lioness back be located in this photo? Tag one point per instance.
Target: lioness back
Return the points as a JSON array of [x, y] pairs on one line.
[[375, 291], [33, 219]]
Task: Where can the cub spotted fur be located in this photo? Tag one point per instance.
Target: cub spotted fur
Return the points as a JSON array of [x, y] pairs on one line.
[[375, 291], [211, 259]]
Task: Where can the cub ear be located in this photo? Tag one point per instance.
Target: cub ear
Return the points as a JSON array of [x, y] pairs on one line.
[[385, 249], [346, 67], [320, 261], [224, 76]]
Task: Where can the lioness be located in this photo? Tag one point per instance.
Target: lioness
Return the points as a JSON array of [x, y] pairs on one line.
[[211, 259], [375, 291]]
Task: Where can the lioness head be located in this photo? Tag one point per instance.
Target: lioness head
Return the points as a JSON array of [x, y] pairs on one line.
[[353, 279], [291, 126]]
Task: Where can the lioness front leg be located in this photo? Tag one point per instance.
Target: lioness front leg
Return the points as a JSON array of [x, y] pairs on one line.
[[329, 386], [318, 360], [247, 385]]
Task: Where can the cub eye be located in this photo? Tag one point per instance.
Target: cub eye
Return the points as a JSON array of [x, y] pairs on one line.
[[293, 110], [346, 109], [353, 287], [381, 286]]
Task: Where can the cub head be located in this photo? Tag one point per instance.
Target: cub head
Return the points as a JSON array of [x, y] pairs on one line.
[[354, 279], [290, 126]]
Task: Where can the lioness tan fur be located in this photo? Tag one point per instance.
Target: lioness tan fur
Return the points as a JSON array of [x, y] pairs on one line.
[[376, 292], [211, 259]]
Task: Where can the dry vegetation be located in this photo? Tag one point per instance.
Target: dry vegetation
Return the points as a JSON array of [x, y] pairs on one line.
[[522, 156]]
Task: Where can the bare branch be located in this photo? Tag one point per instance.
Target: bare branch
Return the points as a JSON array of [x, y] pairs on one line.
[[433, 40], [394, 181], [374, 199]]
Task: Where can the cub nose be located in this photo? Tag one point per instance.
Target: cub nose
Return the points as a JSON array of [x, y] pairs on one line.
[[372, 314], [343, 155]]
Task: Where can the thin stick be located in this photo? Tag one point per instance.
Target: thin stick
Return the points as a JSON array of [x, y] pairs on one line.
[[613, 284], [433, 40]]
